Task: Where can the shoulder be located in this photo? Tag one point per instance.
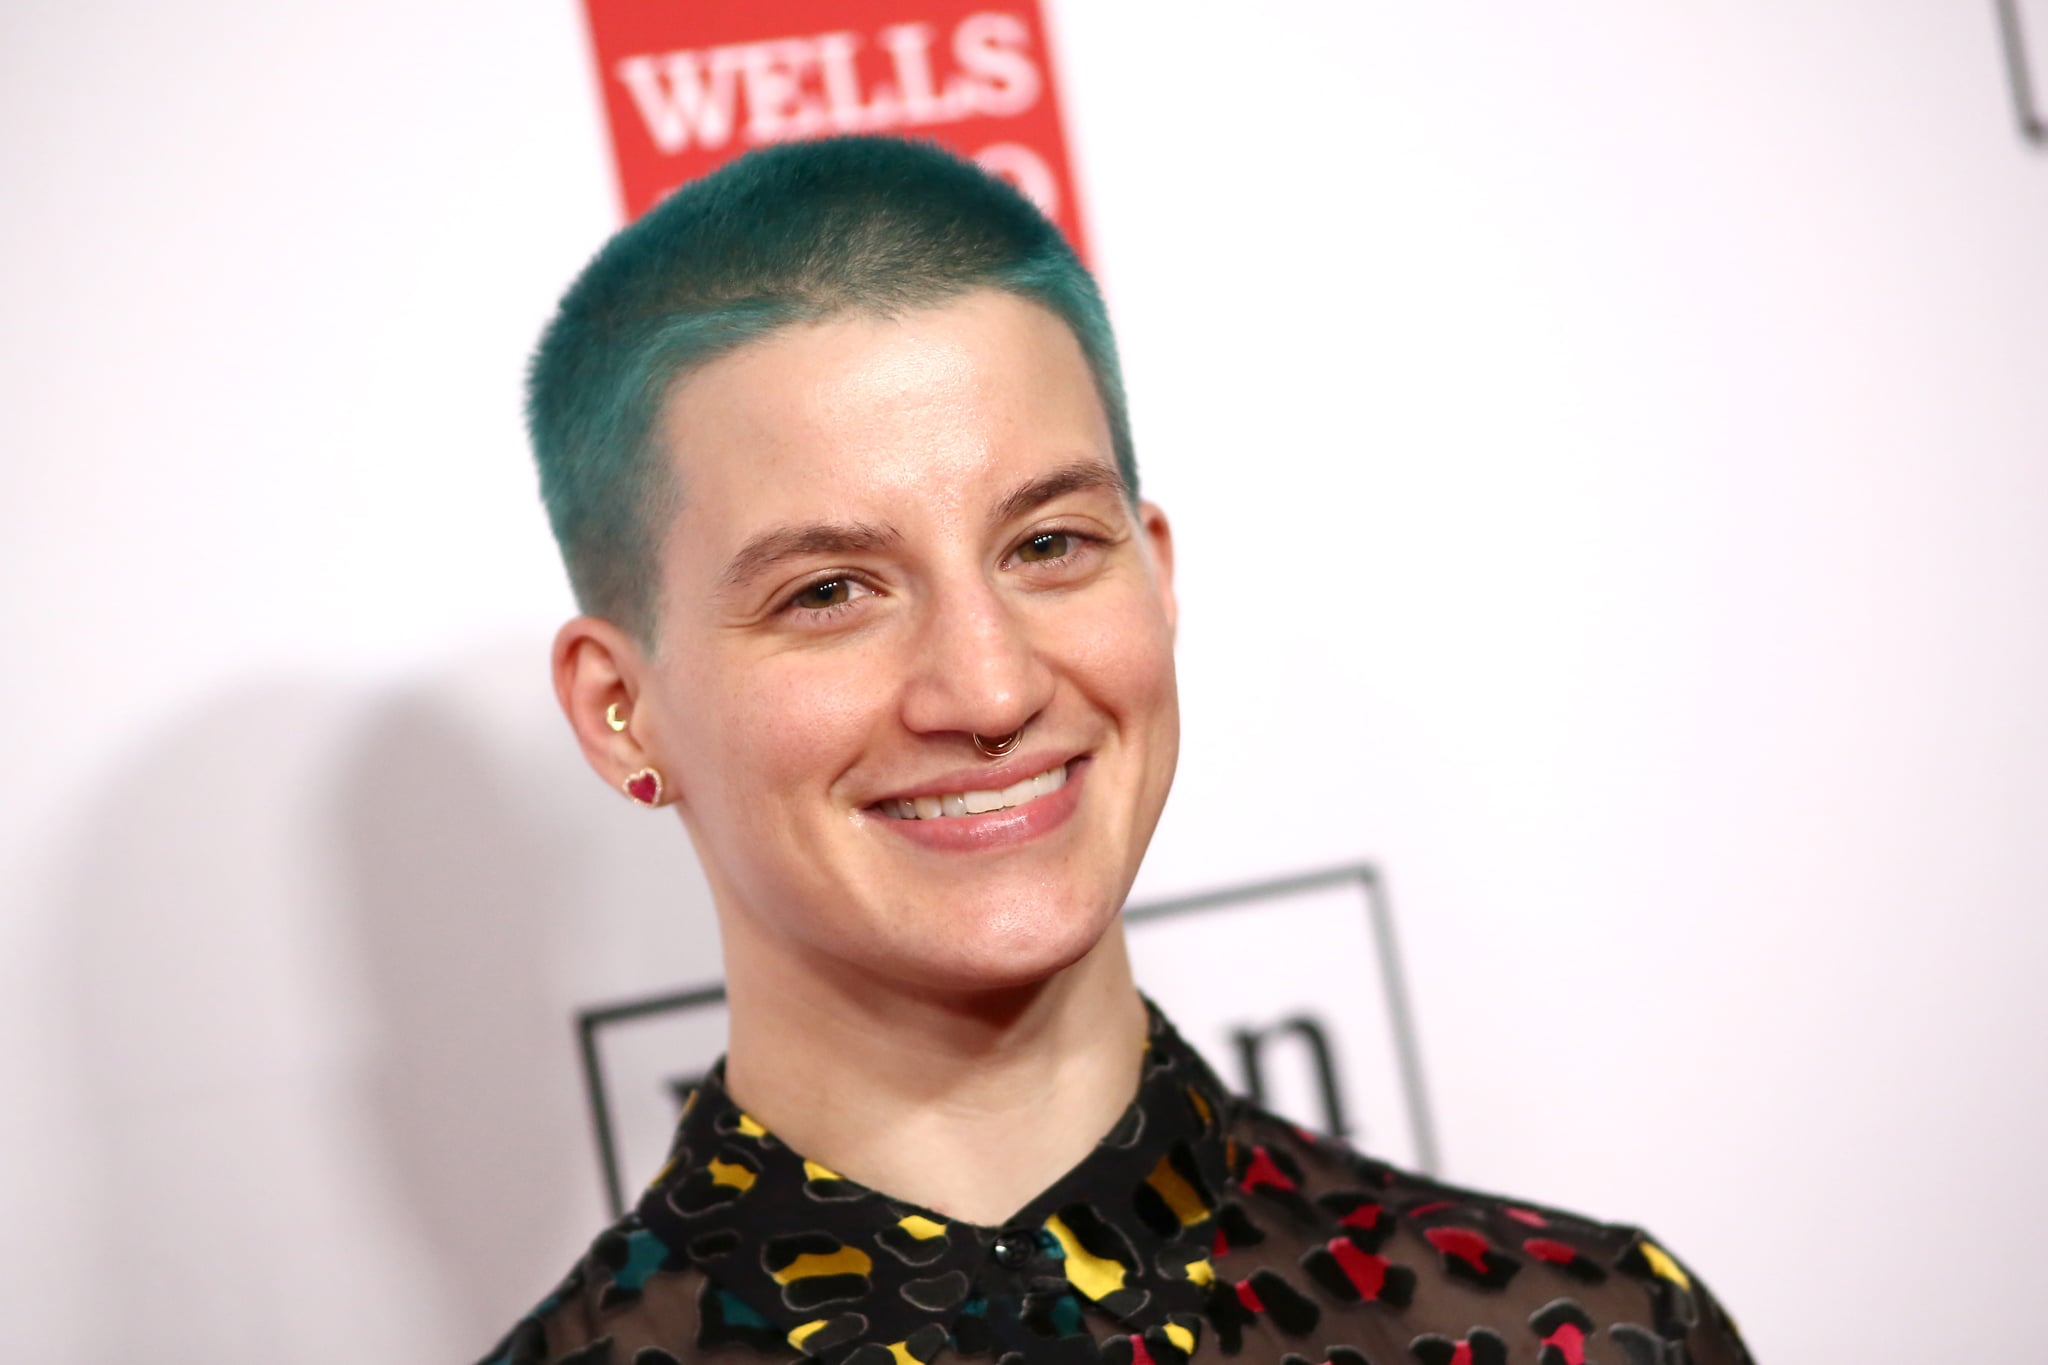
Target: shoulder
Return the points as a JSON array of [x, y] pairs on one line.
[[630, 1297], [1486, 1268]]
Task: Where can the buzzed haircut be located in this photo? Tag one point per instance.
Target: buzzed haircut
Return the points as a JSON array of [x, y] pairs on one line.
[[793, 233]]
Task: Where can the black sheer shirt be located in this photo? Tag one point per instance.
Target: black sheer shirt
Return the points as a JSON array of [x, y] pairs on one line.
[[1201, 1228]]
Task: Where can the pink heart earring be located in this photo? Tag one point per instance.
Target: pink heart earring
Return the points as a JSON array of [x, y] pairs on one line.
[[643, 786]]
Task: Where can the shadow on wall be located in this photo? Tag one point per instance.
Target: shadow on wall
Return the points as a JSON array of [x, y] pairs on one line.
[[457, 887], [324, 973]]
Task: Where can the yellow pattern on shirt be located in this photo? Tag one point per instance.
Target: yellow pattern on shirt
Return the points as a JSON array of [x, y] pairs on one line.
[[1180, 1196], [845, 1261], [1661, 1262], [1095, 1276]]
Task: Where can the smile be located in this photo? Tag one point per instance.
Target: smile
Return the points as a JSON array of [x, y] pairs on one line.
[[975, 802]]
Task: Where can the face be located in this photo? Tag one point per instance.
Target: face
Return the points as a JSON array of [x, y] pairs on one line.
[[897, 535]]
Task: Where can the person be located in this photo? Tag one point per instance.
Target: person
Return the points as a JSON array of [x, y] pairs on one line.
[[835, 447]]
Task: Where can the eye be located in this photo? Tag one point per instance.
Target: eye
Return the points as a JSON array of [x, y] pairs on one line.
[[827, 597], [1046, 545], [1058, 557]]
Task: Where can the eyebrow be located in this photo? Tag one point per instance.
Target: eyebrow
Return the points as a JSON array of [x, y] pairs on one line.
[[1078, 477], [811, 538]]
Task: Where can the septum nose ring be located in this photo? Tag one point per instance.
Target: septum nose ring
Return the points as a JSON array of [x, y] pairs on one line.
[[996, 748]]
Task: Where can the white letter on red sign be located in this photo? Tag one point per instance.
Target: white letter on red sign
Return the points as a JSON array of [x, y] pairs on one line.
[[842, 80], [682, 107], [774, 78], [994, 47], [910, 48]]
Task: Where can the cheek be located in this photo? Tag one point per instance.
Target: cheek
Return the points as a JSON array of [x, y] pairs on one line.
[[1123, 654], [765, 729]]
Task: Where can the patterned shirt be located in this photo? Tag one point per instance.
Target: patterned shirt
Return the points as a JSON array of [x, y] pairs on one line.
[[1200, 1229]]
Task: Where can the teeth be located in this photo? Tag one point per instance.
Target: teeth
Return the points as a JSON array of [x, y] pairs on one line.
[[976, 803]]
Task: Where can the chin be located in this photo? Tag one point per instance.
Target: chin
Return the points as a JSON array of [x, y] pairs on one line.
[[1006, 950]]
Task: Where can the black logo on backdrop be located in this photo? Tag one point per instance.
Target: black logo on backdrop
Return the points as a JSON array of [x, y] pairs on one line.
[[2022, 68], [1301, 1042]]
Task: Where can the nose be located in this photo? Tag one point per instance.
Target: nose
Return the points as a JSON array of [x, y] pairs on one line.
[[978, 667]]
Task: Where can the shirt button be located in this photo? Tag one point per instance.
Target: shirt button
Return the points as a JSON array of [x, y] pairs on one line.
[[1013, 1247]]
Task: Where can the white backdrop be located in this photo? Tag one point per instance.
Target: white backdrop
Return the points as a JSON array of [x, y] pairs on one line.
[[1607, 448]]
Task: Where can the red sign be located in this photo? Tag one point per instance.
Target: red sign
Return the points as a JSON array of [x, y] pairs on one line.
[[689, 86]]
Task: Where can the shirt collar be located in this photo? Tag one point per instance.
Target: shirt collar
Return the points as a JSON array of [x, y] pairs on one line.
[[795, 1252]]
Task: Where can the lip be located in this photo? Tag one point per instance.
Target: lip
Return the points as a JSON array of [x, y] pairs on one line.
[[988, 777], [995, 829]]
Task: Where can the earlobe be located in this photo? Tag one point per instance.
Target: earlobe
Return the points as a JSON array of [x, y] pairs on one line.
[[643, 786], [597, 668]]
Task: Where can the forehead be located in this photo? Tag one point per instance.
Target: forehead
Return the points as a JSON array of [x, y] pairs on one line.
[[918, 418]]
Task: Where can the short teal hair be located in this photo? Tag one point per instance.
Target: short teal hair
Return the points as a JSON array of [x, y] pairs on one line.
[[790, 233]]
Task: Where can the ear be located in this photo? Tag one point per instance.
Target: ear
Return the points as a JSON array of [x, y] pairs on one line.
[[1159, 540], [597, 669]]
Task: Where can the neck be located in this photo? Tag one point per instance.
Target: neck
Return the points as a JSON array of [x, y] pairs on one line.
[[966, 1104]]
